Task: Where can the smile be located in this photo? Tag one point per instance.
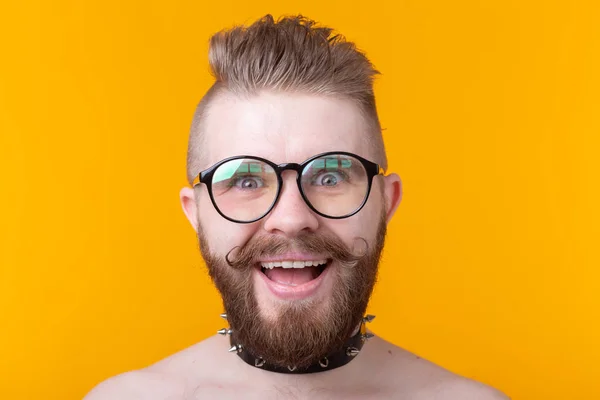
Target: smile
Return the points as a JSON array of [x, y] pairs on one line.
[[294, 279]]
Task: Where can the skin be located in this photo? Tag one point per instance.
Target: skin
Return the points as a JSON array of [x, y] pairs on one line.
[[289, 128]]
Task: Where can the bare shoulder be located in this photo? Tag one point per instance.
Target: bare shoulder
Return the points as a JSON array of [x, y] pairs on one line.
[[196, 362], [170, 378], [138, 384], [415, 377], [459, 388]]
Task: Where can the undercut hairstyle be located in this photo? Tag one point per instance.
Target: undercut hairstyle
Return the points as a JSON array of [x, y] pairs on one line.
[[292, 55]]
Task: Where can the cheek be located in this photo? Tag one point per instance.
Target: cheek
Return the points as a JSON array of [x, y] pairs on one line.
[[222, 235], [365, 223], [349, 229], [376, 202]]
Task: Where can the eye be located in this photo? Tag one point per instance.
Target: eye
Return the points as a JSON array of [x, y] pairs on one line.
[[248, 183], [329, 178]]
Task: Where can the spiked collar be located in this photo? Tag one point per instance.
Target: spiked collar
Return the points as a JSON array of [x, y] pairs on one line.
[[336, 359]]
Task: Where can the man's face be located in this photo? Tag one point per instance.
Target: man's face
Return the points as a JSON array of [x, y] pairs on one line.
[[290, 316]]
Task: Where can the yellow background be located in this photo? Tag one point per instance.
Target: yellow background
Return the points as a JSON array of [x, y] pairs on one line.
[[491, 110]]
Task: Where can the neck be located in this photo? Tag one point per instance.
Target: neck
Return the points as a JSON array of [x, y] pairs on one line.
[[335, 359]]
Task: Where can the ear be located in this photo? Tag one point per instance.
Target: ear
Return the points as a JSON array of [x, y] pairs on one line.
[[190, 208], [393, 194]]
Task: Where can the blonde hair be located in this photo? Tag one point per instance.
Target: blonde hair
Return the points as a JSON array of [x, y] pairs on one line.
[[289, 55]]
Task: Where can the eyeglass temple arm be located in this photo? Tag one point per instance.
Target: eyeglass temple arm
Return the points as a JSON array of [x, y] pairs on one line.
[[196, 180]]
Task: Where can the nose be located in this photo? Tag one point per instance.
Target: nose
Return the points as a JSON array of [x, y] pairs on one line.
[[291, 215]]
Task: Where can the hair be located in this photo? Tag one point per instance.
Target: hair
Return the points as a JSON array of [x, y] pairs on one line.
[[291, 54]]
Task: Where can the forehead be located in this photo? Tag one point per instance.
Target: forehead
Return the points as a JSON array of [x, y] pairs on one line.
[[282, 127]]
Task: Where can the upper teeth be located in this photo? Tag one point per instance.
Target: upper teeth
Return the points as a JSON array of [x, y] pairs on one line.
[[292, 264]]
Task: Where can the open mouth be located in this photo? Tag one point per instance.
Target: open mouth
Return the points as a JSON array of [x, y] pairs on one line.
[[294, 272]]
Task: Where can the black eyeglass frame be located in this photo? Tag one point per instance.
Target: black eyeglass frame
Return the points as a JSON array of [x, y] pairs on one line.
[[370, 167]]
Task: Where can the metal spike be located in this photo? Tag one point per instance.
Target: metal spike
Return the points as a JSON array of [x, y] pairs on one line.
[[292, 369], [259, 362], [237, 348], [324, 362], [223, 315], [352, 351], [224, 331], [366, 336], [368, 318]]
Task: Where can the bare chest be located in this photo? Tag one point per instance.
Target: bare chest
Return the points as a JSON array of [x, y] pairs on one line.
[[288, 393]]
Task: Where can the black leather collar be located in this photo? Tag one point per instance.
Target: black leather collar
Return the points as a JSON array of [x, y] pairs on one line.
[[343, 356]]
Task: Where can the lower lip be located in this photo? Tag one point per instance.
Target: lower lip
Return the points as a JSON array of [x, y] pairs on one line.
[[287, 292]]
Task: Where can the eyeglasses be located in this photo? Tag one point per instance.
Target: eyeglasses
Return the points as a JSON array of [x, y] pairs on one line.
[[244, 189]]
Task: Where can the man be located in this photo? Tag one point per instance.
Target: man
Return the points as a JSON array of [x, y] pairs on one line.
[[290, 202]]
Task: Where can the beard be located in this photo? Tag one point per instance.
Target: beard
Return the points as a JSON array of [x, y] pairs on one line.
[[301, 332]]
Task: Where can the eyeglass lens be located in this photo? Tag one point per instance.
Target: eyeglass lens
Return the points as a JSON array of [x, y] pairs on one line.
[[245, 189]]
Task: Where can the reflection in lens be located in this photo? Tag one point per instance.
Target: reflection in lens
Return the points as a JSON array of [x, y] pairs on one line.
[[244, 189], [335, 185]]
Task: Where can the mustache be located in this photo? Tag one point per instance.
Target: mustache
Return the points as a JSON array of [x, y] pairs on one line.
[[243, 257]]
